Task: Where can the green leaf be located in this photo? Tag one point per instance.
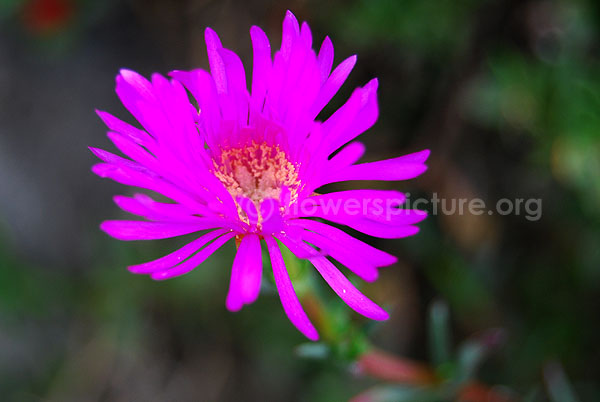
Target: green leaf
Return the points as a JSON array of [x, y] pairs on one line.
[[313, 350], [558, 385], [439, 333]]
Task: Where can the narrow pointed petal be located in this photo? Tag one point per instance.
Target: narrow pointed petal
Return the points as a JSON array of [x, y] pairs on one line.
[[354, 118], [140, 84], [252, 273], [217, 67], [401, 168], [306, 35], [357, 208], [333, 84], [295, 245], [203, 88], [290, 31], [347, 156], [352, 203], [132, 176], [346, 291], [289, 300], [143, 205], [377, 229], [348, 257], [192, 262], [376, 256], [135, 92], [132, 150], [246, 273], [141, 230], [115, 124], [234, 70], [261, 67], [176, 257], [111, 158], [325, 59]]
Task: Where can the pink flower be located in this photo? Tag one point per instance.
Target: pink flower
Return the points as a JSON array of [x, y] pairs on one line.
[[246, 164]]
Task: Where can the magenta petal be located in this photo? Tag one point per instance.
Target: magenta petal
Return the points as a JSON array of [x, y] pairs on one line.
[[237, 93], [135, 92], [272, 220], [252, 269], [346, 291], [348, 155], [141, 230], [415, 157], [352, 204], [193, 261], [375, 256], [246, 274], [249, 209], [135, 177], [202, 86], [176, 257], [342, 119], [236, 76], [140, 84], [325, 59], [132, 150], [398, 217], [382, 230], [306, 35], [353, 118], [370, 211], [295, 245], [109, 157], [143, 205], [290, 31], [387, 197], [348, 257], [332, 85], [401, 168], [289, 299], [387, 229], [261, 67], [217, 67], [179, 133], [200, 155], [115, 124]]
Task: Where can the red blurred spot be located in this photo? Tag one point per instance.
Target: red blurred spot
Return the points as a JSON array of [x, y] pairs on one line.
[[391, 368], [44, 17], [476, 392]]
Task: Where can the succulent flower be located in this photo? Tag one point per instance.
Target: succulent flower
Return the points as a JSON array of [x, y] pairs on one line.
[[245, 165]]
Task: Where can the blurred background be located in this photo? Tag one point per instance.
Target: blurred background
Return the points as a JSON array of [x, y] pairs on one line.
[[505, 93]]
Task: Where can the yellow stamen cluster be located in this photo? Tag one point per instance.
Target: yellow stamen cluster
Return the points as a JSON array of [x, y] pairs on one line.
[[257, 171]]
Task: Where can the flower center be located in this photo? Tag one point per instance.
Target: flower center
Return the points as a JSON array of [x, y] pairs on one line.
[[257, 172]]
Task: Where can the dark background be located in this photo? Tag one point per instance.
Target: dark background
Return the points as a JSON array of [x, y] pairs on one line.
[[505, 93]]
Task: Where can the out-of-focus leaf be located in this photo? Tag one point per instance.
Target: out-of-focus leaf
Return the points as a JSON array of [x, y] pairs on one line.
[[533, 395], [472, 352], [439, 333], [558, 385], [470, 355], [8, 7], [316, 350], [401, 21]]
